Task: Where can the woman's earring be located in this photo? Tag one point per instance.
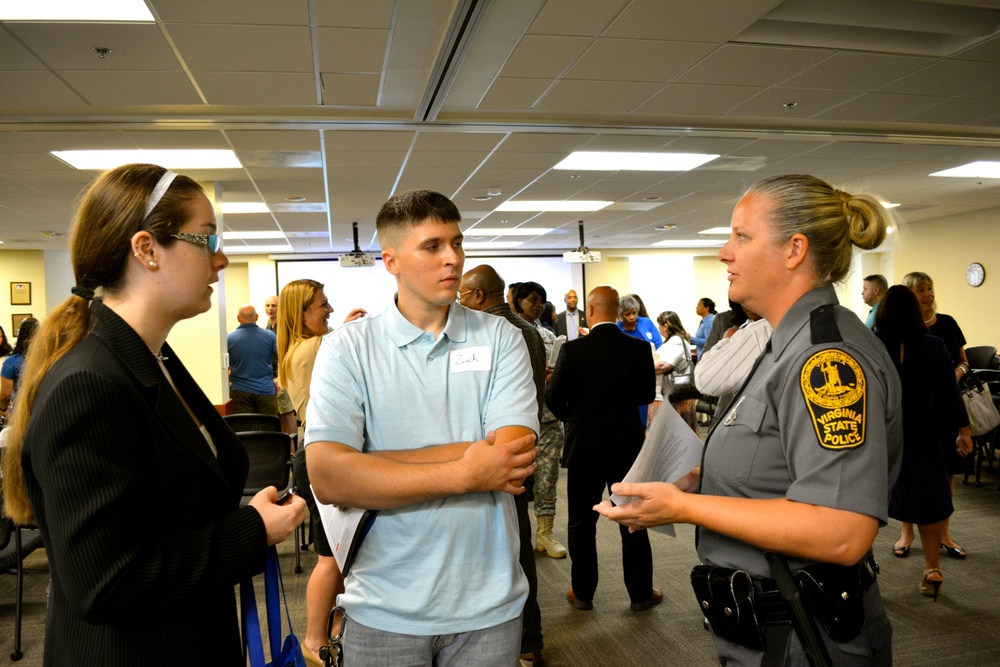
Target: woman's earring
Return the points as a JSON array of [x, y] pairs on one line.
[[152, 265]]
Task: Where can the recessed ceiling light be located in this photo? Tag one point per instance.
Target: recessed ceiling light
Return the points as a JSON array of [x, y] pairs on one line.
[[665, 228], [553, 205], [493, 191], [295, 199], [652, 198], [242, 236], [717, 230], [617, 161], [244, 207], [171, 159], [688, 244], [482, 198], [512, 231], [74, 10], [491, 245], [984, 169]]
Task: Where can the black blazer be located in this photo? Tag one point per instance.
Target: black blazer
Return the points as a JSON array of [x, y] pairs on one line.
[[142, 525], [581, 321], [598, 384]]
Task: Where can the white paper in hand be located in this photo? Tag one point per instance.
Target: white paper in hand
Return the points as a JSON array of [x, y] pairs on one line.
[[671, 449], [341, 525]]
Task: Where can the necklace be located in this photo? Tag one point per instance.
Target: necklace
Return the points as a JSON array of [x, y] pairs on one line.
[[159, 357], [930, 319]]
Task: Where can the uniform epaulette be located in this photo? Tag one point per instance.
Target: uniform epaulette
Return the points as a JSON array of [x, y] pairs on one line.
[[823, 325]]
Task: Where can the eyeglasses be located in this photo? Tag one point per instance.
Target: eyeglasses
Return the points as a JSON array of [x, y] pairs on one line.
[[211, 241], [461, 294]]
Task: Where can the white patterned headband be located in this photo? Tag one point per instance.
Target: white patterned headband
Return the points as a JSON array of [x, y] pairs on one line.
[[161, 188]]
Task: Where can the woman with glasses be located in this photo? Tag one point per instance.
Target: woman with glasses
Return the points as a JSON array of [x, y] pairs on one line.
[[124, 463]]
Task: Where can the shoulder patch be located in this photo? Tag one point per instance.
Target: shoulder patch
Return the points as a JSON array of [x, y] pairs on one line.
[[833, 385]]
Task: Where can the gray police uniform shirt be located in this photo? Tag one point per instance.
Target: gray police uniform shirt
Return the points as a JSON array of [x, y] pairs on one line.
[[818, 422]]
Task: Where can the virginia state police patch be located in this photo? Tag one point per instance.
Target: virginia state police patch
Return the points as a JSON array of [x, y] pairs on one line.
[[833, 385]]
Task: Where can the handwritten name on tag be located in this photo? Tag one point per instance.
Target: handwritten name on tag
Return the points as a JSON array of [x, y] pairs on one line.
[[470, 359]]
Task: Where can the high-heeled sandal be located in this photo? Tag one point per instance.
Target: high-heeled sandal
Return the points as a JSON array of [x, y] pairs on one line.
[[956, 551], [900, 552], [930, 587]]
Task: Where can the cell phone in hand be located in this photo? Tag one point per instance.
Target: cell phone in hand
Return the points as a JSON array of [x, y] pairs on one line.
[[283, 498]]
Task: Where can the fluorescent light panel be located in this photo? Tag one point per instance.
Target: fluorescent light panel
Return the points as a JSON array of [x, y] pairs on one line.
[[689, 244], [171, 159], [255, 249], [983, 169], [513, 231], [553, 205], [244, 207], [250, 236], [717, 230], [615, 161], [76, 10], [490, 245]]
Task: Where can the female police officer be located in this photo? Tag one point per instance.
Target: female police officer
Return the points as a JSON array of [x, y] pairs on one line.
[[802, 461]]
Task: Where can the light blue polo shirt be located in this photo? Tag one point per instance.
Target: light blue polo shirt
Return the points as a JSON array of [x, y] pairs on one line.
[[381, 383]]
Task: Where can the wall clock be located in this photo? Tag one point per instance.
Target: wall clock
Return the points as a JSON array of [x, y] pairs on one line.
[[975, 274]]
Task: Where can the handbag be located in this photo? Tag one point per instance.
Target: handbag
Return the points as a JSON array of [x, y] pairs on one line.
[[286, 654], [682, 387], [983, 415]]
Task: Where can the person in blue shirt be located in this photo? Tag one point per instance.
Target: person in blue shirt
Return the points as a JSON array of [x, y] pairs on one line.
[[706, 311], [636, 325]]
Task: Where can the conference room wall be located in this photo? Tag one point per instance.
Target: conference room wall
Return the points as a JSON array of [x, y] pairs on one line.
[[22, 266], [943, 249]]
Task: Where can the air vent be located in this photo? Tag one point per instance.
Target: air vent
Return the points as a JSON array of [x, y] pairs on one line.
[[937, 28]]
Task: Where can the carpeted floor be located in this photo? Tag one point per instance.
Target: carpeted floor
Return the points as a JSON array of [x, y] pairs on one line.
[[962, 628]]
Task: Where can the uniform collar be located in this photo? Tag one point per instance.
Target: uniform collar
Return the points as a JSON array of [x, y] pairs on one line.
[[402, 332], [797, 316]]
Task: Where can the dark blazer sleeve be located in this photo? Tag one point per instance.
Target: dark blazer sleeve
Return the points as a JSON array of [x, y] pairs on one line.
[[644, 372], [135, 526], [557, 389]]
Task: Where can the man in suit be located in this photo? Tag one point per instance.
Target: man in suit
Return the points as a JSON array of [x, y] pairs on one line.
[[570, 321], [598, 382]]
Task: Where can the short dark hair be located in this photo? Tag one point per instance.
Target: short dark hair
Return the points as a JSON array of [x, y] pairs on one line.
[[524, 290], [408, 209], [708, 303], [878, 280]]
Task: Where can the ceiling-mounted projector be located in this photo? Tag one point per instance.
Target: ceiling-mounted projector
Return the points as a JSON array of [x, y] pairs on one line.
[[356, 258], [581, 255]]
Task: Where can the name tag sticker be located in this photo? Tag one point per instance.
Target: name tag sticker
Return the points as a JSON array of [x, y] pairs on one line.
[[470, 359]]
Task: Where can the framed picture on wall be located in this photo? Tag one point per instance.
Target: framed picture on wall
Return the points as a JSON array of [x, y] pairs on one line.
[[16, 322], [20, 294]]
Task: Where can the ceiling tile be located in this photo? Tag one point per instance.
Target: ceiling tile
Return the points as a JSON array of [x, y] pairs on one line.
[[248, 48], [70, 46], [544, 56], [771, 65], [586, 18], [350, 89], [945, 78], [257, 88], [354, 14], [697, 99], [351, 50], [132, 88], [875, 107], [857, 71], [614, 60], [35, 89], [514, 93], [257, 12], [596, 97]]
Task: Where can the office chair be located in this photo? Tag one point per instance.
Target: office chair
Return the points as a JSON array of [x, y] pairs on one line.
[[984, 446], [12, 555], [252, 421], [270, 455], [982, 357]]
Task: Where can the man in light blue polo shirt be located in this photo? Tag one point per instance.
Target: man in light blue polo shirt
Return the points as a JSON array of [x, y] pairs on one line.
[[427, 412]]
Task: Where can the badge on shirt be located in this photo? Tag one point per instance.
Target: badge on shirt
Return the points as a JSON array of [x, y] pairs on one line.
[[833, 385], [470, 359]]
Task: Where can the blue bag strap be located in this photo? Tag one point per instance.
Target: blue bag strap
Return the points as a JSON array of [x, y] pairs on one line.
[[251, 624], [272, 583]]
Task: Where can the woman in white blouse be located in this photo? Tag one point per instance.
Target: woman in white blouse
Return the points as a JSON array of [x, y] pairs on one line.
[[675, 357]]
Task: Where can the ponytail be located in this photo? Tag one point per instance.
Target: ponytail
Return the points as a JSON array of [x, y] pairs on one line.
[[59, 333]]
